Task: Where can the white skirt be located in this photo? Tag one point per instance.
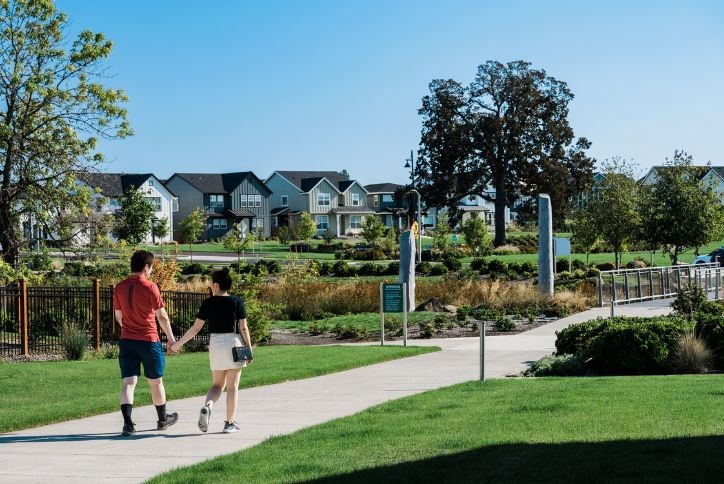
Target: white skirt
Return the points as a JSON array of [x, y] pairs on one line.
[[220, 345]]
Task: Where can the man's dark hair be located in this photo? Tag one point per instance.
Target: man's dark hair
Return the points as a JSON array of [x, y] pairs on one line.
[[222, 278], [140, 259]]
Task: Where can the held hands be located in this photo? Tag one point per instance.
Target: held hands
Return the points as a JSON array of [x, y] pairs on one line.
[[174, 347]]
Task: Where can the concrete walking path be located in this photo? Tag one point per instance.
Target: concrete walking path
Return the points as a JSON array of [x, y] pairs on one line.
[[91, 449]]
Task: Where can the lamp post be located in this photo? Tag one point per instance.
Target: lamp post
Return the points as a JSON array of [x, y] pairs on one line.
[[410, 163]]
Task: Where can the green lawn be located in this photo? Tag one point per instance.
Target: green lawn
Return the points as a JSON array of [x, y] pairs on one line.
[[45, 392], [369, 320], [625, 429]]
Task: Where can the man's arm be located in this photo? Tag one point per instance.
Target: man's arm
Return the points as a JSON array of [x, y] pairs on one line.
[[165, 324], [119, 317]]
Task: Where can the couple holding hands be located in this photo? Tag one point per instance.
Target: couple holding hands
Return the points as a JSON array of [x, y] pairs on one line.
[[137, 304]]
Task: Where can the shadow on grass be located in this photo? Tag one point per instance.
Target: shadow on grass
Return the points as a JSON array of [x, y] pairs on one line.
[[677, 460]]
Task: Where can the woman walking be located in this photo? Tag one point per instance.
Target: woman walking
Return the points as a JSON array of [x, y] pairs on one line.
[[223, 312]]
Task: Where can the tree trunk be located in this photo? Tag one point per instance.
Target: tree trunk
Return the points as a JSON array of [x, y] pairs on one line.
[[500, 197], [8, 236]]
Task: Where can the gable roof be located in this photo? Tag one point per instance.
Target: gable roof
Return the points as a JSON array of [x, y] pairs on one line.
[[719, 170], [306, 180], [219, 183], [382, 187], [114, 184]]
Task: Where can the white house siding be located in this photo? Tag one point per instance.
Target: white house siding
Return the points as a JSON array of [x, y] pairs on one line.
[[189, 199], [322, 187], [153, 188], [713, 180]]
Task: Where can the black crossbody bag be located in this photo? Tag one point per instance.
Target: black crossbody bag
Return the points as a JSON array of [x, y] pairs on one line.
[[240, 353]]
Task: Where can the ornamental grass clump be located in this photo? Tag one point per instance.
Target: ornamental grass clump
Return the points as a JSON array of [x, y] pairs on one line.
[[73, 340], [692, 355]]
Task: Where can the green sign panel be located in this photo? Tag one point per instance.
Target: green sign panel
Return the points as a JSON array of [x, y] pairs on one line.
[[392, 298]]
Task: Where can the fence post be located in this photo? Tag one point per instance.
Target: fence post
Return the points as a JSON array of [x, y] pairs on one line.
[[651, 284], [638, 284], [23, 315], [96, 313], [613, 294], [600, 290], [663, 289], [678, 280], [625, 284]]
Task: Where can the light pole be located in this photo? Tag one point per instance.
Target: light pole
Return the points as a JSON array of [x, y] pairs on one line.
[[410, 163]]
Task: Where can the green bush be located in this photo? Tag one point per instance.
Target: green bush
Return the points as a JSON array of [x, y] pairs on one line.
[[196, 268], [427, 330], [393, 325], [462, 313], [497, 266], [351, 331], [424, 267], [440, 321], [451, 262], [563, 365], [636, 346], [342, 269], [315, 329], [393, 268], [504, 324], [479, 265], [577, 337], [257, 320], [439, 270], [688, 299]]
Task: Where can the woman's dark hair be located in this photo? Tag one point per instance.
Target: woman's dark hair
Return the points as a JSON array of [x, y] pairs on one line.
[[140, 259], [222, 278]]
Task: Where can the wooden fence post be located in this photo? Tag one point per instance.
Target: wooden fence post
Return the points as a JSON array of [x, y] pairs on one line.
[[23, 315], [96, 313]]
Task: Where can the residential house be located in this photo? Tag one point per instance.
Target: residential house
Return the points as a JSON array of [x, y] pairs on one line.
[[111, 187], [334, 201], [712, 176], [226, 198], [381, 198]]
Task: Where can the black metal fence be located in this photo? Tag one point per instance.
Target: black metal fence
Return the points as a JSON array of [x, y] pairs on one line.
[[33, 320]]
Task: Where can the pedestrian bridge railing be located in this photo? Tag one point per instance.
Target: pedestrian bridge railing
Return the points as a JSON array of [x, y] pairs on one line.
[[623, 286]]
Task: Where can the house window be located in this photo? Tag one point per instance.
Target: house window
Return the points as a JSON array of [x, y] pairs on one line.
[[355, 222], [387, 198], [242, 200], [257, 224], [257, 200], [155, 202], [322, 222], [324, 199], [355, 199], [219, 224], [285, 201], [216, 201], [150, 183]]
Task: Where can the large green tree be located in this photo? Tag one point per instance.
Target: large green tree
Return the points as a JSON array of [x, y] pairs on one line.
[[508, 130], [134, 217], [680, 211], [53, 109], [613, 209]]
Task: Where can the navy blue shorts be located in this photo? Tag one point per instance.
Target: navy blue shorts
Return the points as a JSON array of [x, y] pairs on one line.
[[134, 352]]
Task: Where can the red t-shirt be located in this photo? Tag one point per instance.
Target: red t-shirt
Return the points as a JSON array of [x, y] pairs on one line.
[[138, 299]]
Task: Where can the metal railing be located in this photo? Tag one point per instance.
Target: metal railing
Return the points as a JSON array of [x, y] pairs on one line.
[[623, 286]]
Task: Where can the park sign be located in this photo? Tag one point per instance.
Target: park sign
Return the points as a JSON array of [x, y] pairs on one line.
[[392, 295]]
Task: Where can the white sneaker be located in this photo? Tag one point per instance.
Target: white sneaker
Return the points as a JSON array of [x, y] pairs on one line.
[[230, 427], [204, 417]]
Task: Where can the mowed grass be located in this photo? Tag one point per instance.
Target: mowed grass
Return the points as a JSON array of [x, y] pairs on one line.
[[371, 321], [625, 429], [45, 392]]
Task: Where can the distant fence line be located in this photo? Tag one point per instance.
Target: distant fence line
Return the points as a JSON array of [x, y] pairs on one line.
[[623, 286], [32, 318]]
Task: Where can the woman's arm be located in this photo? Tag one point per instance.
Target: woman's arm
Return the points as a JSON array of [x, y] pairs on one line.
[[244, 330]]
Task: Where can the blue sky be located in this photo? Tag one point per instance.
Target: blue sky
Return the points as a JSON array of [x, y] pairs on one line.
[[270, 85]]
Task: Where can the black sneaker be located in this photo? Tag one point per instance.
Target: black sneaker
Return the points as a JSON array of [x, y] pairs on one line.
[[230, 427], [204, 417], [128, 429], [171, 418]]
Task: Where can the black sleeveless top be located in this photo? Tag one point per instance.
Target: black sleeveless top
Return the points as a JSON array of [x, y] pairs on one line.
[[222, 312]]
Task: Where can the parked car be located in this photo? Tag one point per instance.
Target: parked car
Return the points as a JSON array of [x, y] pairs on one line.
[[716, 255]]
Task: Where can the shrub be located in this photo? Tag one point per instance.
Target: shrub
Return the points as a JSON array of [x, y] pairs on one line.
[[606, 266], [578, 264], [438, 270], [636, 264], [691, 355], [424, 267], [462, 313], [351, 331], [367, 269], [315, 329], [451, 262], [577, 337], [562, 265], [529, 267], [107, 352], [325, 269], [73, 340], [393, 268], [496, 265], [393, 325], [504, 324], [195, 268], [342, 269], [427, 330], [440, 321], [562, 365], [592, 272], [479, 265], [272, 266], [688, 299], [257, 320]]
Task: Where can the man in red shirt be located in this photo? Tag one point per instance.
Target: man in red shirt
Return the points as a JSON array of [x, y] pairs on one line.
[[137, 304]]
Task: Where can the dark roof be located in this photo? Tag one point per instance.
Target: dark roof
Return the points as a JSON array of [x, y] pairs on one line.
[[305, 180], [719, 170], [241, 212], [700, 170], [345, 184], [113, 184], [221, 183], [352, 209], [382, 187], [278, 210]]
